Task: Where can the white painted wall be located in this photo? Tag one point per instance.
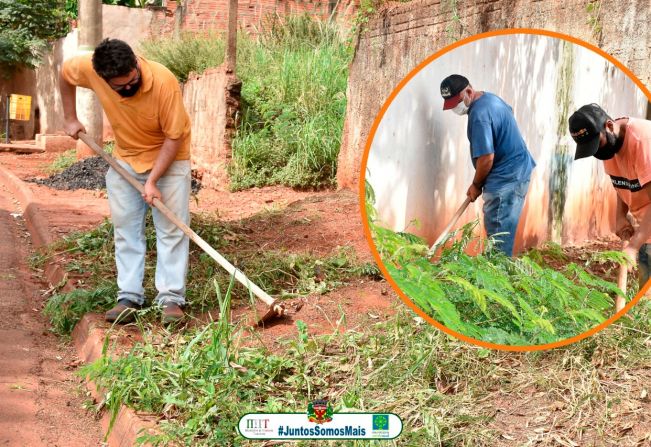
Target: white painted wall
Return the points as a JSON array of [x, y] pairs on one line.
[[419, 162]]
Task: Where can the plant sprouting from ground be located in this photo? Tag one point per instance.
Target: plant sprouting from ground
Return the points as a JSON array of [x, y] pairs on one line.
[[491, 297], [293, 98]]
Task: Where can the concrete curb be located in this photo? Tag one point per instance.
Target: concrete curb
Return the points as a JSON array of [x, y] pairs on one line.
[[36, 223], [87, 337]]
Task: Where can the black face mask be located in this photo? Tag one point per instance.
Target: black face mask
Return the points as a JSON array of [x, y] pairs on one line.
[[612, 146], [133, 89]]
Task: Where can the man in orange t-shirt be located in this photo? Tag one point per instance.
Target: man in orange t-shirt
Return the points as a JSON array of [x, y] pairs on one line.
[[624, 145], [143, 102]]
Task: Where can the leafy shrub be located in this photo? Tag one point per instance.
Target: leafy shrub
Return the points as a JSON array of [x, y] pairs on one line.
[[492, 297], [190, 53], [294, 77], [26, 28]]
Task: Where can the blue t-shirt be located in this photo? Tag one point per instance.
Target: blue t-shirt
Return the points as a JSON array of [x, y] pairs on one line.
[[492, 130]]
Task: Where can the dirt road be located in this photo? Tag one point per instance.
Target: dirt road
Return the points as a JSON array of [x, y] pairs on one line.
[[41, 398]]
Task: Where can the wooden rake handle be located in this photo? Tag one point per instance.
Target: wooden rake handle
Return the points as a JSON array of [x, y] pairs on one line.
[[622, 279], [241, 277], [449, 226]]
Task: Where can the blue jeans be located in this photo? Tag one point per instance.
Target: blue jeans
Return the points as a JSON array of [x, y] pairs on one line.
[[502, 211], [644, 264], [128, 210]]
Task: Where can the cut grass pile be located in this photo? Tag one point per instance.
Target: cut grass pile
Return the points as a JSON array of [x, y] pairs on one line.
[[283, 274], [446, 392]]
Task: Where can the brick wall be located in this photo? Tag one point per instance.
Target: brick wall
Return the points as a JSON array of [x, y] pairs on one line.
[[402, 35], [212, 101], [212, 15]]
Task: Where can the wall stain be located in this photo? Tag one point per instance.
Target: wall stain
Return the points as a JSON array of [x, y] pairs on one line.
[[562, 158]]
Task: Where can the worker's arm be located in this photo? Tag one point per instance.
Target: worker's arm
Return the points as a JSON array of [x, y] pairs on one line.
[[623, 228], [643, 232], [482, 168], [165, 158], [71, 124]]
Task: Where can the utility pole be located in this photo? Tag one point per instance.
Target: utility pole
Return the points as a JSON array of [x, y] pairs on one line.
[[231, 38], [179, 14], [89, 108]]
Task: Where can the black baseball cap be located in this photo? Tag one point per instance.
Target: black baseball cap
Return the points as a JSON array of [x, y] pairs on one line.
[[585, 126], [450, 89]]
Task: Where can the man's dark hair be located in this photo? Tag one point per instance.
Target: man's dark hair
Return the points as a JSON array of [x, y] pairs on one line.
[[113, 58]]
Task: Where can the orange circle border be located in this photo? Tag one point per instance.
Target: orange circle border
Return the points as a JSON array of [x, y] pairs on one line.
[[362, 189]]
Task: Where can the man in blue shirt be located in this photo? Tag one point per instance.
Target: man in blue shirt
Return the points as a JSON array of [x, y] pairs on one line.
[[499, 154]]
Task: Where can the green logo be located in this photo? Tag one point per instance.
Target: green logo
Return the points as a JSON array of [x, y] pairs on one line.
[[380, 422]]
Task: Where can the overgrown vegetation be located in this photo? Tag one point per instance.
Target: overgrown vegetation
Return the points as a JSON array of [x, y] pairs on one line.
[[294, 77], [26, 28], [189, 53], [491, 297], [89, 256], [446, 392]]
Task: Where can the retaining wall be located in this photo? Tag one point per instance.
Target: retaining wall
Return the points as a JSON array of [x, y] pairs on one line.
[[402, 35]]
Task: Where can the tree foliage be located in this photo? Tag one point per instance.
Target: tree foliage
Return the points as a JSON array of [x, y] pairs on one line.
[[26, 28]]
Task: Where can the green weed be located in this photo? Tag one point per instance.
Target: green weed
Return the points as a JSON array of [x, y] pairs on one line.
[[594, 19], [108, 147], [65, 309], [495, 298], [201, 381], [62, 162], [293, 105], [189, 53], [279, 272], [204, 380], [293, 97]]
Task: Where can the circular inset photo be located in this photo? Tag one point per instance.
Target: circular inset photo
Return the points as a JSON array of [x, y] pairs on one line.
[[507, 189]]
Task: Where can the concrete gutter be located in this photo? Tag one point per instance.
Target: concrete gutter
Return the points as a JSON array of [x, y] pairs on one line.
[[88, 335], [20, 148]]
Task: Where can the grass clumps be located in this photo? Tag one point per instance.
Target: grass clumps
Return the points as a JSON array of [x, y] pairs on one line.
[[204, 380], [494, 298], [62, 162], [447, 392], [66, 309], [293, 105], [90, 257], [294, 76], [189, 53]]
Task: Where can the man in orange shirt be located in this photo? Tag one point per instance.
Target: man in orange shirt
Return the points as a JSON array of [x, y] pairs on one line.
[[624, 145], [142, 100]]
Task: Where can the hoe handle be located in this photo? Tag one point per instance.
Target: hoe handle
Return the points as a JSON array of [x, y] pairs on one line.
[[452, 223], [622, 278], [241, 277]]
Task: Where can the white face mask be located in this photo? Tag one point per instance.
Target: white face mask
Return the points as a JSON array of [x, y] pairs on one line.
[[461, 108]]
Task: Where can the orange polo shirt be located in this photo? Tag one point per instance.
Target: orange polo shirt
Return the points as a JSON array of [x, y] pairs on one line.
[[142, 122], [630, 168]]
